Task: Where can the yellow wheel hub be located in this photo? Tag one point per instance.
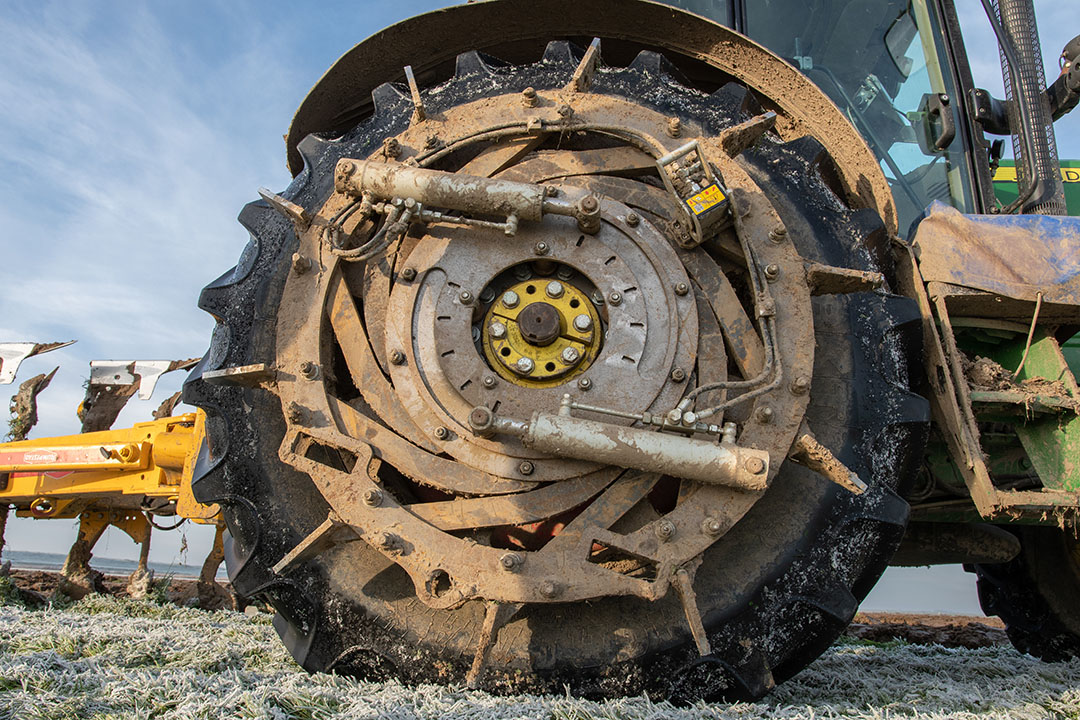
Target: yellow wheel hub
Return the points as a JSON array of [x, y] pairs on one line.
[[541, 332]]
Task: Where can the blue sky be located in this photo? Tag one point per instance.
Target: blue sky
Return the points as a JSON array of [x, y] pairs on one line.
[[134, 132]]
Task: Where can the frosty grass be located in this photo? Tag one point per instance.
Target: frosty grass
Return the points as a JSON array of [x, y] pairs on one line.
[[115, 658]]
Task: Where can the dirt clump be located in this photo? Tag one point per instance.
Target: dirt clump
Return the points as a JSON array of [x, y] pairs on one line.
[[946, 630]]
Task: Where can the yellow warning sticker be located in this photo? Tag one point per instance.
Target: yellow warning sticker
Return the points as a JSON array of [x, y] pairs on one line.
[[707, 198]]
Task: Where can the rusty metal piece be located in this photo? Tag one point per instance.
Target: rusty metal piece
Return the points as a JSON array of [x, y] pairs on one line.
[[495, 616], [829, 280], [24, 405], [331, 532], [815, 456], [243, 375], [583, 73], [211, 595], [684, 586], [286, 208], [735, 140], [419, 114]]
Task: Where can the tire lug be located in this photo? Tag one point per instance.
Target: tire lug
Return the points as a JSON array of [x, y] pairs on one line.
[[582, 323], [554, 289], [497, 330], [633, 219], [525, 365], [466, 297]]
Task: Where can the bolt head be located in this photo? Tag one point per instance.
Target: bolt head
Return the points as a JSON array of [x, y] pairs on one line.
[[665, 530], [565, 111], [511, 561], [582, 323], [510, 299], [525, 365], [497, 330], [549, 589], [800, 385], [772, 271], [373, 497], [408, 274], [432, 142], [778, 234], [397, 357], [585, 384], [674, 127], [678, 374], [541, 248], [525, 467], [570, 355], [489, 381], [711, 526], [674, 416], [633, 219], [681, 289], [309, 370], [442, 433], [465, 297], [300, 264], [589, 203], [615, 298], [528, 97], [764, 414], [554, 289], [689, 418], [754, 465]]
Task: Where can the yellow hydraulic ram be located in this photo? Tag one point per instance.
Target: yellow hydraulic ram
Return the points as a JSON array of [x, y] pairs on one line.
[[145, 466]]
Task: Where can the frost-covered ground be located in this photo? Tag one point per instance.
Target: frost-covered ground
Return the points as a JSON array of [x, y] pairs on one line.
[[112, 658]]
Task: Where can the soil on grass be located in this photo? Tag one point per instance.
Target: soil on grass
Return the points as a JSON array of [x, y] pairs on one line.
[[41, 585]]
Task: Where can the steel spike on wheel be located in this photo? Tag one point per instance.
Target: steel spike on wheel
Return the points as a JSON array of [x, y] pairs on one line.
[[506, 384]]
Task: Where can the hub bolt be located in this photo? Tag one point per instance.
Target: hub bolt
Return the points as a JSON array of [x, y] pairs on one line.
[[489, 381], [397, 358], [373, 497], [526, 467], [510, 299], [615, 298], [309, 370], [528, 97], [754, 465], [522, 272], [711, 526], [549, 589], [681, 289], [778, 234], [772, 271], [678, 374], [475, 334], [800, 385], [585, 384], [674, 127], [665, 530], [764, 414], [442, 433], [597, 297], [554, 289], [582, 323], [511, 561], [300, 264], [465, 297], [570, 355], [487, 295], [525, 365], [633, 219], [564, 273], [541, 248], [408, 274], [498, 330]]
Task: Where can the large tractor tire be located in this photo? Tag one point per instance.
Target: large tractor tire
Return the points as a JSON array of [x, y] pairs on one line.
[[1035, 593], [394, 542]]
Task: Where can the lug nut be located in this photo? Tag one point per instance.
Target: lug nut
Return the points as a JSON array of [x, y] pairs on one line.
[[681, 289], [525, 365], [772, 271], [674, 416], [585, 384], [442, 433], [309, 370], [397, 358], [764, 414], [541, 248], [778, 234], [528, 97], [554, 289], [525, 467], [615, 298], [800, 385], [689, 418], [582, 323], [754, 465], [489, 381], [300, 264], [633, 219], [373, 497], [678, 374], [465, 297], [497, 330], [570, 355], [510, 299], [665, 530], [549, 589], [711, 526], [674, 127], [408, 274], [487, 295], [564, 273], [511, 561]]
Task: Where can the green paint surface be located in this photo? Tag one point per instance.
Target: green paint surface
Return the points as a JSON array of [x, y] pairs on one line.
[[1005, 183]]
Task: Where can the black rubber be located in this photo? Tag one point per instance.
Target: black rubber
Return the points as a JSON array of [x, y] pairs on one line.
[[775, 591], [1035, 593]]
